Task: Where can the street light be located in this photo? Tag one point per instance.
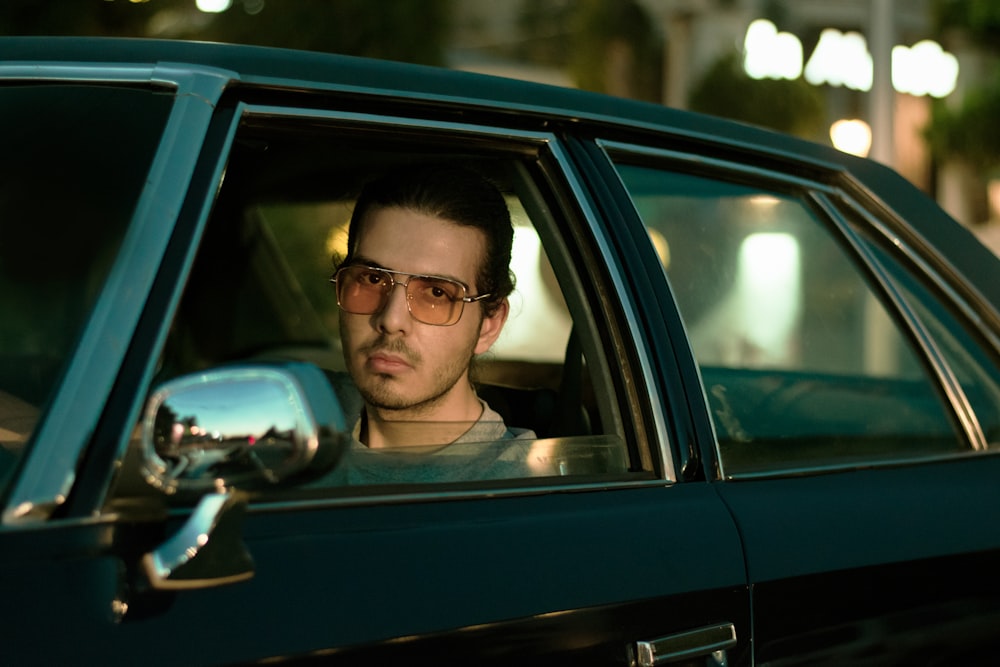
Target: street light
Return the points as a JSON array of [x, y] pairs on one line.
[[213, 6], [852, 136]]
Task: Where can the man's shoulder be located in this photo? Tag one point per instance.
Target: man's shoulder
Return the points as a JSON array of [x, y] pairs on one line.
[[491, 428]]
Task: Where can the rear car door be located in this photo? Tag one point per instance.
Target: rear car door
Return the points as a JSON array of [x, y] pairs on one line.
[[851, 380], [608, 558]]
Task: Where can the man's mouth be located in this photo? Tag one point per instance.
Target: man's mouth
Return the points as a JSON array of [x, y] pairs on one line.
[[384, 362]]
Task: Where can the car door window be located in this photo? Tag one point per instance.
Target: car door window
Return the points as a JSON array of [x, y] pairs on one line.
[[803, 364], [966, 348], [75, 162], [260, 290]]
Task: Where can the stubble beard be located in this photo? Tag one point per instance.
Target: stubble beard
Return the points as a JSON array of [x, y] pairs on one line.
[[384, 393]]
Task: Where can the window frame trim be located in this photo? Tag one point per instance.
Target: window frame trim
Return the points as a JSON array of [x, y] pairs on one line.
[[576, 189], [946, 378], [49, 470], [843, 188]]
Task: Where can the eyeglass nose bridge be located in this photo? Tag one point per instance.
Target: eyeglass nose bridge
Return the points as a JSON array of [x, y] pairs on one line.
[[393, 284], [455, 309]]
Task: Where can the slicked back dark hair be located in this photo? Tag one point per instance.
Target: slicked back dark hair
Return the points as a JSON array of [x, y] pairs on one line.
[[456, 194]]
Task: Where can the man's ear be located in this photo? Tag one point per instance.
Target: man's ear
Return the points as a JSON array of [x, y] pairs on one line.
[[491, 327]]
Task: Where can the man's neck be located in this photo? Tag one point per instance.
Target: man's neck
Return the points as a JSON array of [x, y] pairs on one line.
[[439, 426]]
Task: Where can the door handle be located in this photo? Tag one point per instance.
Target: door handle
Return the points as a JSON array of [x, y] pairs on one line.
[[712, 640]]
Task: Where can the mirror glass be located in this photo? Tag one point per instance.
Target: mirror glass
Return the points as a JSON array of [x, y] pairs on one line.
[[229, 427]]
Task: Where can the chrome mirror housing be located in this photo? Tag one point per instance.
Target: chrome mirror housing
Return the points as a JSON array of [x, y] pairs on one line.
[[247, 427]]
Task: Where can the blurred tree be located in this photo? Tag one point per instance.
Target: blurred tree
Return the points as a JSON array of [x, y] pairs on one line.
[[404, 30], [546, 30], [616, 49], [795, 107], [970, 130], [73, 17], [980, 19], [608, 46]]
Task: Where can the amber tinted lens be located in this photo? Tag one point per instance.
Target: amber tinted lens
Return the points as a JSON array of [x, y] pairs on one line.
[[435, 300], [361, 290]]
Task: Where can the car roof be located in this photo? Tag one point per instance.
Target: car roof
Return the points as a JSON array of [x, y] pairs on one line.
[[268, 66], [289, 67]]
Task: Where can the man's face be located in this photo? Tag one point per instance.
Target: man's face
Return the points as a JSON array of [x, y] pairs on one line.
[[398, 363]]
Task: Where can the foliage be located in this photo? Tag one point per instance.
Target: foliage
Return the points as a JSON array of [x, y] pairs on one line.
[[545, 27], [608, 46], [970, 131], [72, 17], [400, 30], [404, 30], [980, 19], [795, 107], [616, 49]]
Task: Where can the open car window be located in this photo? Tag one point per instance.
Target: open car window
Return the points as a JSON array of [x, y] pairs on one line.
[[259, 290]]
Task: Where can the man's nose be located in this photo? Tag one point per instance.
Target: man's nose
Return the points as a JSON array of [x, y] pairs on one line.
[[395, 315]]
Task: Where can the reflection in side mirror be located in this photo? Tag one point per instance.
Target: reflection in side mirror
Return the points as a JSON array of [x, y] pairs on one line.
[[248, 427]]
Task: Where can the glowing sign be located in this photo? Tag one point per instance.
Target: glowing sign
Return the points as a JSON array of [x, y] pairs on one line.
[[213, 6], [843, 59], [924, 69], [852, 136], [772, 54]]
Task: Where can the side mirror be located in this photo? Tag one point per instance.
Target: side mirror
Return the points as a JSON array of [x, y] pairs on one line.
[[247, 426]]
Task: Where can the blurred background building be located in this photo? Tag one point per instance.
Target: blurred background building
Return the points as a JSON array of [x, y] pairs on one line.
[[911, 83]]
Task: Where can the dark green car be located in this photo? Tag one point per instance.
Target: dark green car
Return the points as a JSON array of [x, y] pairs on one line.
[[764, 378]]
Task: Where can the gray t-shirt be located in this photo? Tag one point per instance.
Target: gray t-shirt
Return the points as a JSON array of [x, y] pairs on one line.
[[489, 449]]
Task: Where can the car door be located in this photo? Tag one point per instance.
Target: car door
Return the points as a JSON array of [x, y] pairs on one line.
[[851, 380], [615, 561]]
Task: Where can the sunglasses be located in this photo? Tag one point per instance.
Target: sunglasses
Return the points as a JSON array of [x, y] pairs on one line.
[[364, 290]]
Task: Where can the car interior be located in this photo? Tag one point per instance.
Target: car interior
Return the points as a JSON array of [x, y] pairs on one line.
[[259, 287]]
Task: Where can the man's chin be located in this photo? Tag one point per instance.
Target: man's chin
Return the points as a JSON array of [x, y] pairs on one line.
[[388, 404], [383, 397], [394, 405]]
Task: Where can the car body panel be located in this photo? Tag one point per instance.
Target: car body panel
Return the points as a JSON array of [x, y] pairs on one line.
[[870, 565], [332, 578]]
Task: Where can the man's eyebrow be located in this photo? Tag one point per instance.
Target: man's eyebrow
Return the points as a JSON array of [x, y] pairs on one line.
[[367, 261]]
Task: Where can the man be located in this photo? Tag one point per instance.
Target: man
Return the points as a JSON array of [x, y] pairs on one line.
[[422, 291]]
